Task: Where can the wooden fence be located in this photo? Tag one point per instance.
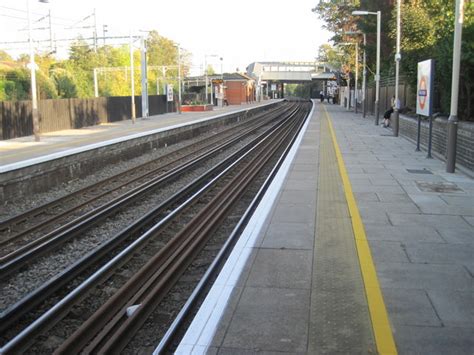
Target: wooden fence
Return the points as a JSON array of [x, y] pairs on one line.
[[54, 115]]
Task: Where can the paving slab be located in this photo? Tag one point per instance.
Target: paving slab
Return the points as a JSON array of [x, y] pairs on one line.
[[294, 213], [289, 196], [411, 307], [436, 221], [391, 252], [424, 276], [456, 235], [434, 340], [437, 253], [281, 268], [299, 296], [289, 236], [454, 307], [418, 254], [272, 319]]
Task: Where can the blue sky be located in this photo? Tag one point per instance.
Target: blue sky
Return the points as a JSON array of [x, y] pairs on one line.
[[238, 31]]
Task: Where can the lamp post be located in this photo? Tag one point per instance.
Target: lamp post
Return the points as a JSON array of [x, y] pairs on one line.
[[356, 71], [179, 79], [132, 80], [364, 79], [221, 94], [364, 70], [32, 65], [398, 57], [453, 116], [205, 73], [377, 74]]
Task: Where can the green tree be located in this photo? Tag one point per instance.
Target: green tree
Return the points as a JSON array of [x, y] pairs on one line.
[[65, 83], [427, 33]]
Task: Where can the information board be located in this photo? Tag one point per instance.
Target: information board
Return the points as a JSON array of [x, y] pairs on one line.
[[424, 90], [169, 93]]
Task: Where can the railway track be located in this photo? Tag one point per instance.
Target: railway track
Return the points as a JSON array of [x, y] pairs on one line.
[[20, 229], [17, 255], [155, 251]]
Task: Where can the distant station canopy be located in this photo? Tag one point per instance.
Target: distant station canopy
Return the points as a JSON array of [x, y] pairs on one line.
[[291, 72]]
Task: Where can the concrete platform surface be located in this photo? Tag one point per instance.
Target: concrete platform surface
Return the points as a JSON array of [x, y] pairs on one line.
[[299, 278], [60, 142]]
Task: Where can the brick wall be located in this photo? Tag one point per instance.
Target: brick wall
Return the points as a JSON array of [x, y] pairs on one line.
[[465, 142], [235, 92]]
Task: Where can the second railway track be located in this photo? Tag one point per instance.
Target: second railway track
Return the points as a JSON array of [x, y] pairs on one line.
[[144, 260]]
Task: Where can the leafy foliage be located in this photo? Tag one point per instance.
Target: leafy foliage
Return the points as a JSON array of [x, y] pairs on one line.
[[427, 32], [74, 77]]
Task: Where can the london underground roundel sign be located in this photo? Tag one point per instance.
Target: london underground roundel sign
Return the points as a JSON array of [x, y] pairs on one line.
[[424, 91]]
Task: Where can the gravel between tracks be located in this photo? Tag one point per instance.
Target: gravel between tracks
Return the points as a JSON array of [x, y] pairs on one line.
[[32, 276], [17, 206]]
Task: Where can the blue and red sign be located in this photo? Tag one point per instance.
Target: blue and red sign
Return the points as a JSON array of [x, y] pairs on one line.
[[424, 104]]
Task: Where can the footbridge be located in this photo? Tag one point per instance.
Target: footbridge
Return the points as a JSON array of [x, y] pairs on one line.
[[291, 72], [273, 75]]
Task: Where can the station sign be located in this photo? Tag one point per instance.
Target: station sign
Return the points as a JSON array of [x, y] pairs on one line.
[[169, 93], [424, 89]]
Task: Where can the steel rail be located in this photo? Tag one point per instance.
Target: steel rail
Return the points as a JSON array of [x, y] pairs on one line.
[[22, 340], [40, 210], [20, 308], [72, 229], [212, 269], [148, 287]]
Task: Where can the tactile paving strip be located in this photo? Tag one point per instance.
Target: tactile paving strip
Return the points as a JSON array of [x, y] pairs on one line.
[[340, 320]]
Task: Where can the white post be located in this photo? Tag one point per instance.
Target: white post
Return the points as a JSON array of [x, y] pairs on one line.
[[163, 70], [96, 84], [349, 91], [356, 95], [212, 92], [179, 79], [397, 73], [34, 101], [377, 76], [95, 32], [207, 80], [364, 74], [51, 47], [453, 116], [144, 77], [132, 79]]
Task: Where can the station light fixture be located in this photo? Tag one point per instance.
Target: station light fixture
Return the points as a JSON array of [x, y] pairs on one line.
[[377, 75]]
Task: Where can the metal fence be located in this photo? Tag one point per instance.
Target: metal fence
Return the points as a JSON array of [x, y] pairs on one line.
[[54, 115]]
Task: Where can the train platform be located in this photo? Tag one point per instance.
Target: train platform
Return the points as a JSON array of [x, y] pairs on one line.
[[24, 151], [360, 246]]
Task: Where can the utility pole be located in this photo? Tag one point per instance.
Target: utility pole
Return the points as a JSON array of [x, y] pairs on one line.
[[132, 79], [32, 65], [377, 75], [179, 79], [453, 117], [398, 57], [50, 32], [104, 31], [364, 76], [144, 78], [207, 80], [357, 75], [95, 31], [96, 84]]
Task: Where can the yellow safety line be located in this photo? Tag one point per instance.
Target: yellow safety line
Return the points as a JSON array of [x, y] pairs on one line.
[[378, 312]]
